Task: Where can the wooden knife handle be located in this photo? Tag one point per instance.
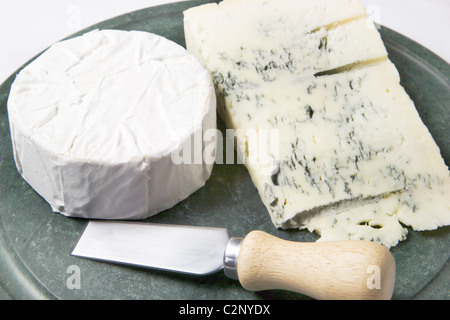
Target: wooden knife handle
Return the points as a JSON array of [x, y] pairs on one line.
[[332, 270]]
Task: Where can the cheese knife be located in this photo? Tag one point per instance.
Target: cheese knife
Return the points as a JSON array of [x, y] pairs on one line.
[[350, 269]]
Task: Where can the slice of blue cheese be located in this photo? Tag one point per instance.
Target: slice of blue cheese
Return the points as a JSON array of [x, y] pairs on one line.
[[349, 138], [408, 148]]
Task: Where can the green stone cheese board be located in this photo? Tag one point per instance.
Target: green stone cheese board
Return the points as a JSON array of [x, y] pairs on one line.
[[35, 242]]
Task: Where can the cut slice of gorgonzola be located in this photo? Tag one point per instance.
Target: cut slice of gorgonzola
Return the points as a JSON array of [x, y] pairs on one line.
[[349, 137]]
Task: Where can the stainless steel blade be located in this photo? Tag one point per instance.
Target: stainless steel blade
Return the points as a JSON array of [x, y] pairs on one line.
[[186, 249]]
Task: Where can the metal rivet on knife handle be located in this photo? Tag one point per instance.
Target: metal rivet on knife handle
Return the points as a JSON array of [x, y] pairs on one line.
[[322, 270]]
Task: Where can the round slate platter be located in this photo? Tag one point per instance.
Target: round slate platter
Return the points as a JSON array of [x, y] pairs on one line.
[[35, 243]]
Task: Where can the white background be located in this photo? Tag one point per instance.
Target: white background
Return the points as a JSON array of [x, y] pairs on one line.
[[28, 27]]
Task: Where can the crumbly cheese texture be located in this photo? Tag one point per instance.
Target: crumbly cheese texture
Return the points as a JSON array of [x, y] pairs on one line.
[[96, 119], [348, 138]]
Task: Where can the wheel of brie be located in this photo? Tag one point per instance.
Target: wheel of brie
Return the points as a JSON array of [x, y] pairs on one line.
[[97, 119]]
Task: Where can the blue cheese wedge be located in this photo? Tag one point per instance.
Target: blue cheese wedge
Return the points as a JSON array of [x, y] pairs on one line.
[[412, 155], [97, 119], [350, 140]]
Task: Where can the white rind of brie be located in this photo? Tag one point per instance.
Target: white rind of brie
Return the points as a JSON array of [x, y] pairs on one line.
[[95, 120]]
